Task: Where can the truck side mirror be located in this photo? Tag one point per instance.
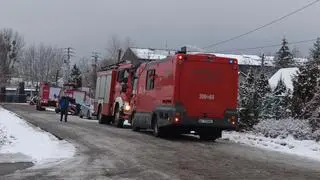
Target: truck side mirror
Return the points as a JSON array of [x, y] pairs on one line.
[[125, 80]]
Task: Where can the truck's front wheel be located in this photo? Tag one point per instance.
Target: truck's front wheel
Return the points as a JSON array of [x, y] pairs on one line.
[[117, 119]]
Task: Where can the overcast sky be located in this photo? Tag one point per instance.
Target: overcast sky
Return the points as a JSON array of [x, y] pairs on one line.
[[86, 25]]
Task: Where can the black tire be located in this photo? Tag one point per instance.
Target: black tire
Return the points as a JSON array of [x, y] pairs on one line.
[[133, 125], [99, 116], [80, 115], [88, 115], [157, 131], [117, 119]]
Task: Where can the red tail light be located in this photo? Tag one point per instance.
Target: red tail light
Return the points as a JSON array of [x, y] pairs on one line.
[[180, 58]]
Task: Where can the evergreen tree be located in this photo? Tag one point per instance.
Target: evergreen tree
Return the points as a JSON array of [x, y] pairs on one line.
[[280, 88], [280, 101], [247, 96], [305, 84], [313, 110], [315, 52], [284, 57], [75, 76], [262, 88], [262, 85], [276, 104]]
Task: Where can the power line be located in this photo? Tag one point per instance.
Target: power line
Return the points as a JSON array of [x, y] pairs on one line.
[[263, 26], [268, 46]]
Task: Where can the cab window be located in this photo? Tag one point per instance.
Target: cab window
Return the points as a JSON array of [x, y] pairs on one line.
[[150, 79]]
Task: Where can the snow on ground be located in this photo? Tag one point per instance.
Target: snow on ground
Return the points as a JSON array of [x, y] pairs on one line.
[[126, 123], [3, 136], [50, 109], [306, 148], [41, 147]]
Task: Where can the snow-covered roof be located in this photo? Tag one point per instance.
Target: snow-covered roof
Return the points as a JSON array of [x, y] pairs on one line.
[[286, 74], [152, 54], [243, 59], [253, 60], [248, 59]]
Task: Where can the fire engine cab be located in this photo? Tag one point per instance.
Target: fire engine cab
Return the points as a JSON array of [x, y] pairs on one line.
[[186, 92], [114, 93]]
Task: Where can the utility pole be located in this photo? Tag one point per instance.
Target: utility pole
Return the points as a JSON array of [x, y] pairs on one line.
[[57, 76], [119, 55], [96, 57], [67, 64], [262, 63]]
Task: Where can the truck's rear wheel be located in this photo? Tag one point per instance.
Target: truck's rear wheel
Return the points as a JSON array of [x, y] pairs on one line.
[[157, 131], [89, 115], [133, 124], [99, 116]]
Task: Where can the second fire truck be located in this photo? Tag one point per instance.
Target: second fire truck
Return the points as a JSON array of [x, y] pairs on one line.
[[183, 93]]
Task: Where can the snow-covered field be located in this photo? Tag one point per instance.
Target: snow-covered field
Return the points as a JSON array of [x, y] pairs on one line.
[[17, 137], [306, 148]]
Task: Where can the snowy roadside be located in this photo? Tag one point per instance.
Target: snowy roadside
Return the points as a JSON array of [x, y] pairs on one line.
[[305, 148], [50, 109], [18, 138]]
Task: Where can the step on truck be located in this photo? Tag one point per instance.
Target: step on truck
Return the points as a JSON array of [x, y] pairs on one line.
[[187, 92]]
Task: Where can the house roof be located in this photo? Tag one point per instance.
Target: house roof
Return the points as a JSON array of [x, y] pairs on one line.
[[151, 54], [253, 60], [286, 74]]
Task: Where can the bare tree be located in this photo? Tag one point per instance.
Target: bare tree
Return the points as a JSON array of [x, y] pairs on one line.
[[113, 46], [11, 44], [42, 63], [88, 70]]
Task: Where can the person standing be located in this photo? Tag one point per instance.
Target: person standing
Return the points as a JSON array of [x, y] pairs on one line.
[[64, 104]]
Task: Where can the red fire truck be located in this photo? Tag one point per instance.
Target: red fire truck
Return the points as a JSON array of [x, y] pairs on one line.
[[48, 95], [114, 93], [186, 93], [76, 95]]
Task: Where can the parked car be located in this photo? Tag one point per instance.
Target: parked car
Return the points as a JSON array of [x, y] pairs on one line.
[[73, 108], [86, 110], [34, 100]]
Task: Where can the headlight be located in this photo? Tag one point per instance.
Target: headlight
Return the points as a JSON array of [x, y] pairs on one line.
[[127, 106]]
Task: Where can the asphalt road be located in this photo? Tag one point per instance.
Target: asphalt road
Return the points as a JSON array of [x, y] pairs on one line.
[[106, 152]]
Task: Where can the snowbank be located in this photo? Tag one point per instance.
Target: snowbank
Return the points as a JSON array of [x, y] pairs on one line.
[[299, 129], [306, 148], [50, 109], [40, 146], [3, 137]]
